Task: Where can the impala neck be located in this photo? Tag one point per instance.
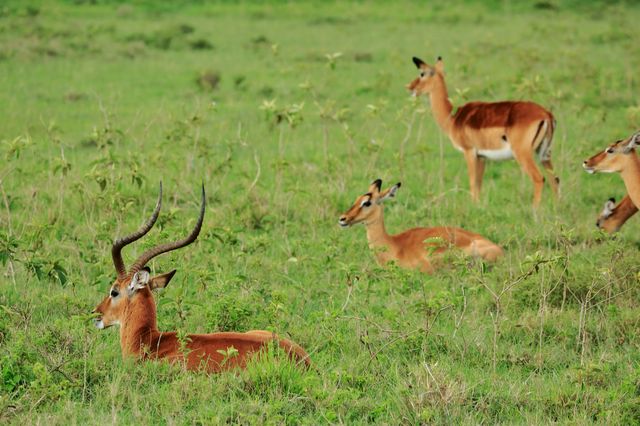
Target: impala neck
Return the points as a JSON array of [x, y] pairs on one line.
[[441, 106], [139, 324], [631, 177], [376, 232]]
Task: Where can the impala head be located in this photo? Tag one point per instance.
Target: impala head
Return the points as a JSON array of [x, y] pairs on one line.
[[428, 76], [369, 205], [612, 159], [606, 213], [130, 287]]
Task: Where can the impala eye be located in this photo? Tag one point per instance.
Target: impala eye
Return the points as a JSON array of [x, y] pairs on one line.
[[114, 293], [366, 203], [421, 73], [610, 151]]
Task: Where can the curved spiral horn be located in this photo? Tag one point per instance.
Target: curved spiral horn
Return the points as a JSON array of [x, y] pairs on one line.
[[119, 243], [163, 248]]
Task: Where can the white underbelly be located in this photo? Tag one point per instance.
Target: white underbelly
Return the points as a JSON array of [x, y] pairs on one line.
[[503, 153]]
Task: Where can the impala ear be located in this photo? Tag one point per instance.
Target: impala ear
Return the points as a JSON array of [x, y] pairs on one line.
[[375, 186], [633, 142], [419, 62], [389, 193], [608, 208], [162, 280], [140, 280], [439, 66]]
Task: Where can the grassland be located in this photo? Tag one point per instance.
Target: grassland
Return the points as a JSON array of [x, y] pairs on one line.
[[287, 112]]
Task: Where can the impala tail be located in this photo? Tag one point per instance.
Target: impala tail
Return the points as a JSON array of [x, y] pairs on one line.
[[545, 133], [296, 353]]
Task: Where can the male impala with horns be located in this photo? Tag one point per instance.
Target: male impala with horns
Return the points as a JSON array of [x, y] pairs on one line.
[[130, 305]]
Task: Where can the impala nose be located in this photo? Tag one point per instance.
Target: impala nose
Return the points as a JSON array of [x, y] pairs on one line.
[[343, 221]]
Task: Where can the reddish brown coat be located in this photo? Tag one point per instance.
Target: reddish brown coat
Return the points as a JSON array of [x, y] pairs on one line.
[[491, 130], [415, 248], [619, 157]]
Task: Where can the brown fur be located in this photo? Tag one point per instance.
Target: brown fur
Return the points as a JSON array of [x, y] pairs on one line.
[[506, 114], [414, 248], [130, 304], [140, 337], [617, 217], [483, 126], [619, 157]]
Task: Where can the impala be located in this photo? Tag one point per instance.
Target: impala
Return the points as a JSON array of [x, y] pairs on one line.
[[412, 249], [620, 157], [130, 305], [490, 130], [613, 217]]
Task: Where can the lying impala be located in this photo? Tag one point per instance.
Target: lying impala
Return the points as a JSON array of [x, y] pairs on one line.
[[494, 131], [619, 157], [412, 249], [130, 304]]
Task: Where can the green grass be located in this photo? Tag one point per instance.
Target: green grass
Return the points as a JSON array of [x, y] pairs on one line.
[[98, 103]]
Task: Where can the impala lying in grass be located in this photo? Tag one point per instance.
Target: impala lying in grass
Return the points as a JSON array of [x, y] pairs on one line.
[[619, 157], [130, 304], [415, 248]]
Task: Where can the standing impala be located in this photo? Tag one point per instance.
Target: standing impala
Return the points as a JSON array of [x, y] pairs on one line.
[[620, 157], [411, 249], [130, 304], [494, 131]]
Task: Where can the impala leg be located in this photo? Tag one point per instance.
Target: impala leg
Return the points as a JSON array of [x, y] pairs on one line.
[[480, 163], [554, 181], [472, 168], [487, 250], [530, 168], [426, 266]]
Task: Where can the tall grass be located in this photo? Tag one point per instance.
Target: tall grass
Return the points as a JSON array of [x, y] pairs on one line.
[[301, 106]]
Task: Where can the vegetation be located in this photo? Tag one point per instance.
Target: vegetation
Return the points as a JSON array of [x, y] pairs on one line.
[[286, 111]]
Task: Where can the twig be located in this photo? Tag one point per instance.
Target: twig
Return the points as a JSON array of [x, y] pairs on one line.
[[404, 336], [442, 396], [404, 141], [391, 342], [378, 326], [6, 206], [255, 180], [346, 302]]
